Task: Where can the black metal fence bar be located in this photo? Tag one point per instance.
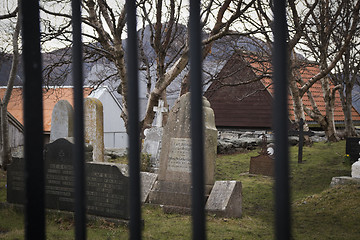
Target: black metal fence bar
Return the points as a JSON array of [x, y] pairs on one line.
[[133, 123], [33, 122], [197, 137], [79, 157], [280, 121]]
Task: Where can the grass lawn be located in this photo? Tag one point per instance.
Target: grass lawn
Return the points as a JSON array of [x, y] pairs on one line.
[[318, 211]]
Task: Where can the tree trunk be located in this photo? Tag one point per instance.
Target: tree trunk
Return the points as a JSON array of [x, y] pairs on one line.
[[349, 125], [6, 150], [329, 100]]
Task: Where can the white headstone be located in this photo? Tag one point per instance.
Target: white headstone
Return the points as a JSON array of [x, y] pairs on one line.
[[355, 170], [61, 121], [152, 146]]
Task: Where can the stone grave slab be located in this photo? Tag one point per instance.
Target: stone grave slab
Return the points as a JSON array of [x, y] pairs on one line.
[[106, 190], [94, 127], [262, 164], [62, 120], [343, 180], [173, 186], [225, 199]]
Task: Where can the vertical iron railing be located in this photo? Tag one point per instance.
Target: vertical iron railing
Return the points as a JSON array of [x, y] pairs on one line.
[[197, 139], [79, 155], [280, 122], [33, 122], [133, 123]]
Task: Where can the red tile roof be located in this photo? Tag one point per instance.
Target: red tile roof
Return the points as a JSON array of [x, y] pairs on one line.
[[317, 93], [50, 98]]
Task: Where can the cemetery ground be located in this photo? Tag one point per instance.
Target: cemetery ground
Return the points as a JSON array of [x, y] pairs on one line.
[[318, 211]]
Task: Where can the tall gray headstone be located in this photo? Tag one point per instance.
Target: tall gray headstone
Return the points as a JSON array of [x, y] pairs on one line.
[[94, 127], [173, 187], [61, 121]]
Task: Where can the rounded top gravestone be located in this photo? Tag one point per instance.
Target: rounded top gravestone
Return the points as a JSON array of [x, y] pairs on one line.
[[61, 121]]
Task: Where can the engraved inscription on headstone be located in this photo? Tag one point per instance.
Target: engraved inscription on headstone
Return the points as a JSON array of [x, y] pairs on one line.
[[225, 199], [15, 181], [107, 191], [180, 155]]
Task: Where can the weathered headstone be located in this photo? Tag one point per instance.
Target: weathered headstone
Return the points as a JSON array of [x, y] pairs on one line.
[[106, 189], [264, 163], [94, 127], [173, 187], [61, 121], [147, 182], [153, 136], [152, 146], [225, 199]]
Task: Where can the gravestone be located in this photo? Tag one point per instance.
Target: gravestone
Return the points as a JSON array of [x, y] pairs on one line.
[[263, 164], [225, 199], [61, 121], [153, 136], [173, 187], [152, 146], [94, 127], [106, 184], [147, 182], [353, 148], [355, 169]]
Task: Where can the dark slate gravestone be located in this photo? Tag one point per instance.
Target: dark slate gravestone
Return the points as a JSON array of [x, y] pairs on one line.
[[262, 164], [15, 181], [107, 186], [353, 148]]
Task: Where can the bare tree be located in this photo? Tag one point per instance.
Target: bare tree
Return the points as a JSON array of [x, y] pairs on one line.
[[105, 29], [311, 24], [323, 22], [346, 71], [5, 153]]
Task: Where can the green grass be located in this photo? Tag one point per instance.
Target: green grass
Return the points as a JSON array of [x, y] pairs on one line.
[[318, 211]]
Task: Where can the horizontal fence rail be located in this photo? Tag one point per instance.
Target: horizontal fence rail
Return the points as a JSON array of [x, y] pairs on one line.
[[33, 121]]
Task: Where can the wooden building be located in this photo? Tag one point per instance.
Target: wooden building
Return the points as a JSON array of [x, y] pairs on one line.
[[242, 94], [237, 104]]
